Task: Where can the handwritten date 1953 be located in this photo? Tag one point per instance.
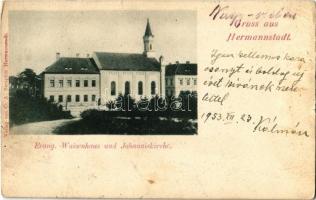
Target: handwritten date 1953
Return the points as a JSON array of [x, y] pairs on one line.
[[257, 124], [216, 116]]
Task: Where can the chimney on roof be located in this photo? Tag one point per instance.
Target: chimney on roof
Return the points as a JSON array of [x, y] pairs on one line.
[[177, 62], [187, 62], [77, 55], [161, 58], [57, 55]]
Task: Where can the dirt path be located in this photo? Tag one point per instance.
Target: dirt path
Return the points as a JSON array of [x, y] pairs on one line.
[[39, 128]]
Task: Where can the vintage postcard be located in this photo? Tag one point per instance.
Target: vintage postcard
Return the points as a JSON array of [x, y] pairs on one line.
[[158, 99]]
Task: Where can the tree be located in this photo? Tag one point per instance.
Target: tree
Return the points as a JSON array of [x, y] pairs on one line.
[[122, 103], [29, 81], [110, 105], [27, 76], [25, 108]]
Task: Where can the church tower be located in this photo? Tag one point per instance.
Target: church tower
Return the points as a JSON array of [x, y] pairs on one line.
[[148, 42]]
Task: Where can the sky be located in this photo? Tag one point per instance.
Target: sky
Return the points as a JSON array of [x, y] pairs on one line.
[[36, 36]]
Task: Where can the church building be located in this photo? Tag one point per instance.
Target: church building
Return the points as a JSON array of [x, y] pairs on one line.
[[79, 83]]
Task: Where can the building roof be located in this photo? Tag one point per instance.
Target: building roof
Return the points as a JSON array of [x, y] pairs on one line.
[[148, 29], [125, 62], [181, 69], [65, 65]]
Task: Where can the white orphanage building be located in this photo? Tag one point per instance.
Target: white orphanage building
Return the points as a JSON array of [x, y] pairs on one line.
[[82, 83]]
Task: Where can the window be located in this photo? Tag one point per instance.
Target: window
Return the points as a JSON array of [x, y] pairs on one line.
[[77, 83], [140, 88], [93, 83], [85, 83], [153, 87], [61, 83], [51, 98], [69, 83], [113, 88], [93, 97], [194, 81], [150, 47], [52, 83], [69, 98], [77, 98], [181, 81], [85, 98], [127, 87], [171, 81], [188, 81], [60, 98]]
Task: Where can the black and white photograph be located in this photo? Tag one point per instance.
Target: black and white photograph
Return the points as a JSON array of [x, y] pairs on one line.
[[127, 72]]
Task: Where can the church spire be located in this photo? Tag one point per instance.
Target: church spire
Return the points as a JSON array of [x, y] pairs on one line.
[[148, 40], [148, 29]]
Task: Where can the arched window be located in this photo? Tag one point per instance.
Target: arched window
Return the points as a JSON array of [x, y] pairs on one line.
[[127, 87], [153, 87], [113, 88], [140, 88]]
